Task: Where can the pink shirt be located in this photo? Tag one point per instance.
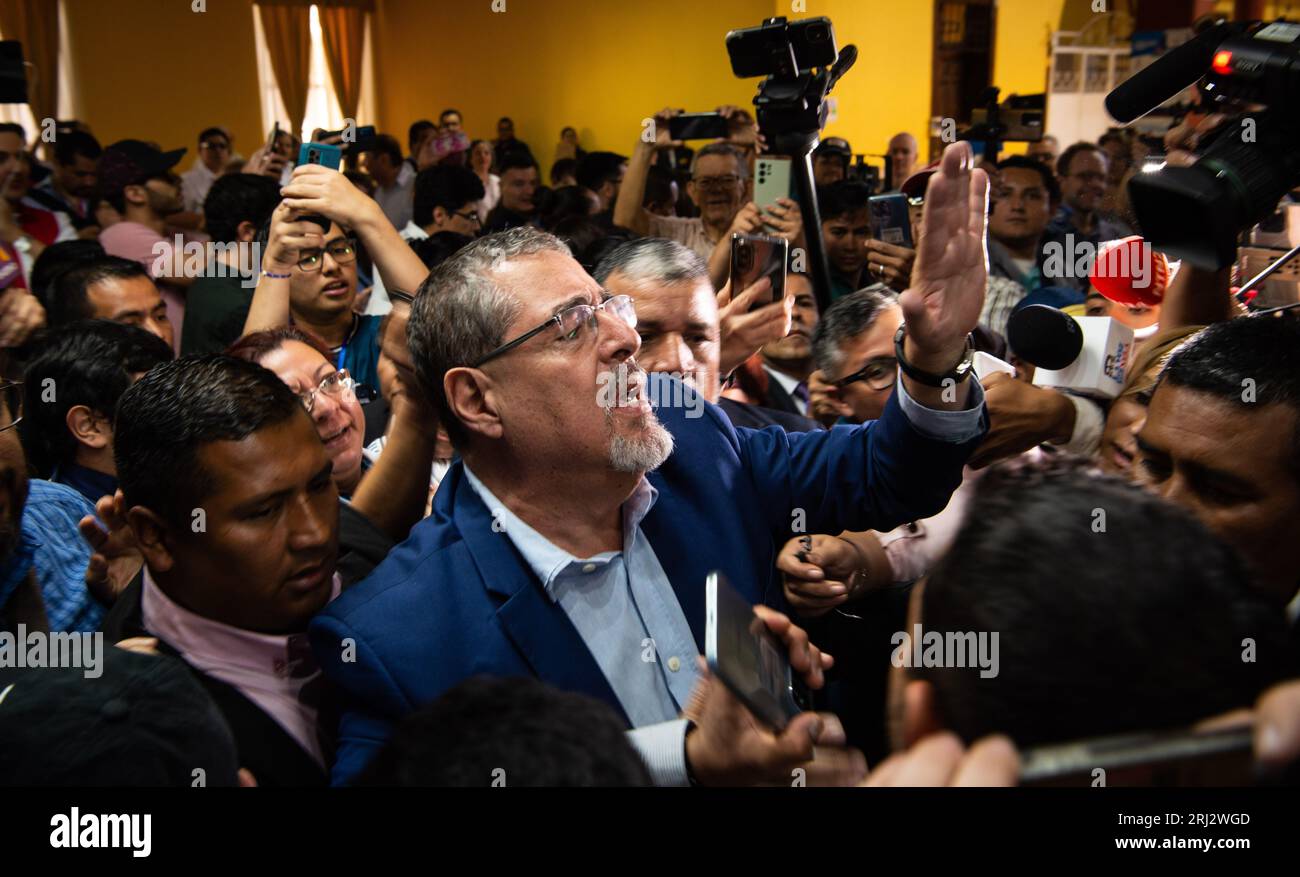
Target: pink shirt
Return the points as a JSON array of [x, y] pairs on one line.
[[137, 242], [271, 671]]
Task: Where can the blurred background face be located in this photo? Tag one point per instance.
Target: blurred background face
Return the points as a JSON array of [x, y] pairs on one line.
[[518, 189], [329, 289], [20, 179], [827, 169], [451, 122], [846, 241], [506, 129], [678, 325], [1021, 209], [569, 136], [876, 345], [718, 188], [797, 345], [1084, 185], [1123, 422], [902, 155], [1045, 150], [79, 178], [339, 421], [215, 152], [481, 158], [11, 150], [163, 195]]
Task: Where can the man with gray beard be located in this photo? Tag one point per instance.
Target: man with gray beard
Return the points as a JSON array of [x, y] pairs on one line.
[[572, 541]]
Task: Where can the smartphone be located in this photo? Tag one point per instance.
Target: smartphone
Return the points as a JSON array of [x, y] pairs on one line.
[[889, 222], [749, 660], [697, 126], [1167, 758], [754, 256], [771, 181], [327, 156], [364, 139]]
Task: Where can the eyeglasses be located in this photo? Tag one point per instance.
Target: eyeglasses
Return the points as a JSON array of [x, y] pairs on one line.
[[11, 404], [879, 374], [470, 216], [334, 386], [216, 146], [1090, 177], [343, 252], [725, 182], [570, 323]]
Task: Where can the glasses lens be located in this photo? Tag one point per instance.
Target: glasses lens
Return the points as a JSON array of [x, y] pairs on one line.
[[623, 308], [880, 375], [309, 260], [343, 252], [574, 320]]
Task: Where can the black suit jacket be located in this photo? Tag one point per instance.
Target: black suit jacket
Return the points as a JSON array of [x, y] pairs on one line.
[[779, 400], [266, 749], [756, 417]]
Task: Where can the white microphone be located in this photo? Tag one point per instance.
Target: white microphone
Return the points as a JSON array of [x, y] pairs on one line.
[[1084, 355]]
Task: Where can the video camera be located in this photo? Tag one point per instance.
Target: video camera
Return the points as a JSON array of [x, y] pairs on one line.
[[1018, 119], [1249, 69], [800, 64]]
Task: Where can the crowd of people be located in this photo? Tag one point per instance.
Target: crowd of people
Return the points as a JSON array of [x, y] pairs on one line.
[[413, 472]]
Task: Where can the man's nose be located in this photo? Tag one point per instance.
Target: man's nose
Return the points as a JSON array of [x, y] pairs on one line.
[[677, 357], [311, 525], [617, 340]]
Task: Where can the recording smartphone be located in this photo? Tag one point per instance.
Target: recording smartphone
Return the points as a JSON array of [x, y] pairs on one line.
[[1169, 758], [327, 156], [697, 126], [754, 256], [771, 181], [889, 221], [364, 139], [749, 660]]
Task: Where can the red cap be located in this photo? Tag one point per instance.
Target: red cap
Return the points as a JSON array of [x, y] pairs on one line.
[[1128, 271]]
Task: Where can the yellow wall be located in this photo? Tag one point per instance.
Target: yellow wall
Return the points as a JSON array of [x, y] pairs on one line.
[[159, 71], [598, 66]]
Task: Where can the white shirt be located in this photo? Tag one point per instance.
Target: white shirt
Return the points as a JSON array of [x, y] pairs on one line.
[[491, 195], [397, 200], [195, 184]]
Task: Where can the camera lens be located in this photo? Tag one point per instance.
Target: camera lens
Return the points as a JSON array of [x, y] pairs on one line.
[[313, 156]]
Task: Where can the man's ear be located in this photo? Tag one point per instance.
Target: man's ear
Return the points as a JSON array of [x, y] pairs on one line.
[[135, 195], [153, 538], [472, 399], [440, 216], [245, 232], [920, 715], [88, 427]]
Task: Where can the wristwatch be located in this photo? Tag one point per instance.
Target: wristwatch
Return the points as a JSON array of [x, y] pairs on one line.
[[956, 374]]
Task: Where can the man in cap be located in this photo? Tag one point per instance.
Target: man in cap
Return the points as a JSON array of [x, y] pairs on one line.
[[136, 178], [831, 161]]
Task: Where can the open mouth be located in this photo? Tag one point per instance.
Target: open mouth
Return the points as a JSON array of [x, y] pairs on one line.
[[623, 391], [337, 441], [336, 289], [310, 578]]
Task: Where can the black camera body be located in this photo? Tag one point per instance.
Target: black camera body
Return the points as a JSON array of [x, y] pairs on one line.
[[1248, 165], [780, 48]]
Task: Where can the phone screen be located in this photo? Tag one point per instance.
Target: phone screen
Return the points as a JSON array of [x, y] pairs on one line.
[[744, 654], [889, 221], [754, 257]]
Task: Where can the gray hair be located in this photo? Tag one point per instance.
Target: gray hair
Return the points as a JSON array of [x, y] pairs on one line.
[[460, 314], [742, 165], [653, 260], [847, 318]]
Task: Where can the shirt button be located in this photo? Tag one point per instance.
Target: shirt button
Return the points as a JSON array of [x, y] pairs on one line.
[[674, 664], [588, 567]]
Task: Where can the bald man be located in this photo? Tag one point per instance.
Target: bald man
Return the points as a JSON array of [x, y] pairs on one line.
[[902, 157]]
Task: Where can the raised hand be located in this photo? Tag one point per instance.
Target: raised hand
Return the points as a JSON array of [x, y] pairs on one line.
[[942, 305]]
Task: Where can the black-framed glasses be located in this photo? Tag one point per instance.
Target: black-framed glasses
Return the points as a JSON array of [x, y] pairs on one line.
[[878, 374], [343, 252], [570, 323], [334, 386], [11, 398], [470, 216], [728, 181]]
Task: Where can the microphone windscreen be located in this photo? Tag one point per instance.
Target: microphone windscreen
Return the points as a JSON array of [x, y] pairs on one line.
[[1166, 76], [1128, 271], [1047, 337]]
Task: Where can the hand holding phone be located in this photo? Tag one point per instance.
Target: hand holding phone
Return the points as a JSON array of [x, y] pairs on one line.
[[755, 256], [697, 126], [326, 155]]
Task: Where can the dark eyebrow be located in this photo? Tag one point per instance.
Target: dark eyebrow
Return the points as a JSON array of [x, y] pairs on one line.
[[325, 471], [575, 300]]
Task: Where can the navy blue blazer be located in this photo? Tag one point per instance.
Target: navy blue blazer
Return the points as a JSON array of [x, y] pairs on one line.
[[456, 599]]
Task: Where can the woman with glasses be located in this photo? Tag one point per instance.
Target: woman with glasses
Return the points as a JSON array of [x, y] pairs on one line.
[[328, 395]]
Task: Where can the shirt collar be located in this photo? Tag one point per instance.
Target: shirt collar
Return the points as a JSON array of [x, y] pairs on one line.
[[547, 560], [787, 383], [207, 644]]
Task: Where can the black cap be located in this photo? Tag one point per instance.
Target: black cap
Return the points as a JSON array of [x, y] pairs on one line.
[[144, 721], [132, 162], [834, 146]]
